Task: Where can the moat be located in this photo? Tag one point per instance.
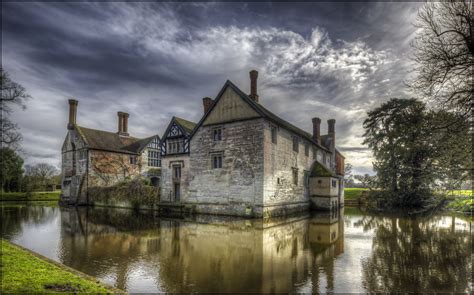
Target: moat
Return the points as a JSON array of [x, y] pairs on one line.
[[347, 251]]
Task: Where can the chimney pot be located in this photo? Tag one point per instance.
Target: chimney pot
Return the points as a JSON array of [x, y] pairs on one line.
[[253, 85], [207, 103], [72, 113], [317, 130]]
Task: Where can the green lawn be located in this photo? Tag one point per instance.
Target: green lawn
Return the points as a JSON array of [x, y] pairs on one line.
[[35, 196], [23, 272], [461, 192], [353, 193]]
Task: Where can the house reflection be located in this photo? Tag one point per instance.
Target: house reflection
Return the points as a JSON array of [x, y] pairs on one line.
[[201, 253]]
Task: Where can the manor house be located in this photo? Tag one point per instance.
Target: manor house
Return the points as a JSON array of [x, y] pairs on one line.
[[239, 159]]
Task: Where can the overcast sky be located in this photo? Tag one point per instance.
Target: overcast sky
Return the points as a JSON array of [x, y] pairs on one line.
[[156, 60]]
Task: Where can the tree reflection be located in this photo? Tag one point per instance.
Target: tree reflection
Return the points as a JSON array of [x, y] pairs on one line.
[[416, 255], [14, 216]]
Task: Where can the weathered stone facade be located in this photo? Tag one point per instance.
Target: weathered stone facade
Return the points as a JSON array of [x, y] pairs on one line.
[[237, 187], [95, 158], [266, 165]]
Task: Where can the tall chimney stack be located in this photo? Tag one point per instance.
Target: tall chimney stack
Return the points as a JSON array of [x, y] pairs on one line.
[[122, 123], [207, 103], [125, 124], [253, 85], [317, 130], [72, 113], [332, 135]]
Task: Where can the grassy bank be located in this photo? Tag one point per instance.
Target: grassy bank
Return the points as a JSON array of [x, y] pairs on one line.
[[34, 196], [24, 272], [353, 193]]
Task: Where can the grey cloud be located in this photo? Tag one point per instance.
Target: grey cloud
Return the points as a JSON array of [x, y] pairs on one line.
[[156, 60]]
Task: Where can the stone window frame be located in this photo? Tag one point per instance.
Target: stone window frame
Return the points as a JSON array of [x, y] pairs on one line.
[[296, 144], [133, 160], [294, 174], [176, 171], [333, 182], [274, 133], [306, 149], [220, 163], [217, 133]]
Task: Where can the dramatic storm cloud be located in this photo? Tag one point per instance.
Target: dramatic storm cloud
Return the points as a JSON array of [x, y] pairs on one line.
[[156, 60]]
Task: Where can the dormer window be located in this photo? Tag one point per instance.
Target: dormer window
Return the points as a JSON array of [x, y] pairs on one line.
[[217, 134]]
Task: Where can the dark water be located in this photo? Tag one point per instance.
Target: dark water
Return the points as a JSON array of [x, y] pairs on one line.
[[343, 252]]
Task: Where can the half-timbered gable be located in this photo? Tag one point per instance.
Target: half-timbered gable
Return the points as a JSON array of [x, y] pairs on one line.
[[176, 137], [175, 159]]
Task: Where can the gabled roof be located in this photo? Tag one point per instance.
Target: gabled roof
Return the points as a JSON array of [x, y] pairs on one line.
[[110, 141], [187, 126], [262, 111]]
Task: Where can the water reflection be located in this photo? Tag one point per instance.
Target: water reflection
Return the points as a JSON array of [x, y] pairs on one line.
[[334, 252]]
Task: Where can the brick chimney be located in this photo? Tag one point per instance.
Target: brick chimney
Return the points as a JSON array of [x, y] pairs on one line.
[[317, 130], [207, 103], [253, 85], [332, 135], [72, 113], [122, 123]]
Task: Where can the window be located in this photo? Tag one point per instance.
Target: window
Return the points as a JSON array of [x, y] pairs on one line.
[[295, 176], [306, 150], [216, 161], [175, 146], [278, 180], [154, 158], [295, 144], [334, 183], [177, 172], [306, 177], [217, 134], [82, 154], [133, 160], [274, 134]]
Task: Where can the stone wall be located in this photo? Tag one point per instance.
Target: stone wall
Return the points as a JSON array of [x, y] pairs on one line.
[[237, 187], [281, 193], [73, 175], [322, 186], [167, 182], [108, 168]]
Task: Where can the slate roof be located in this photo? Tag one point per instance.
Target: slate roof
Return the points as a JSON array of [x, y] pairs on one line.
[[188, 126], [320, 170], [263, 112], [110, 141]]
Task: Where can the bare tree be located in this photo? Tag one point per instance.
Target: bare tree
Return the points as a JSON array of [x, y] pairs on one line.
[[444, 55], [41, 174], [12, 93]]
